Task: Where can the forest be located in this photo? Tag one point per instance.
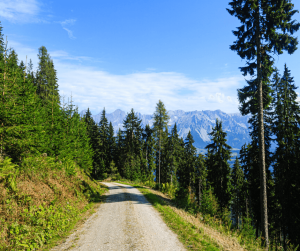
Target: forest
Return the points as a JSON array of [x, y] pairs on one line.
[[259, 194]]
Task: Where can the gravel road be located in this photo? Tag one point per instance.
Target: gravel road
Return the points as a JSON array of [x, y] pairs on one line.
[[127, 221]]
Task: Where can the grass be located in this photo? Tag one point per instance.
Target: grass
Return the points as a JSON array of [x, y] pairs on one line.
[[41, 201], [192, 237], [219, 231]]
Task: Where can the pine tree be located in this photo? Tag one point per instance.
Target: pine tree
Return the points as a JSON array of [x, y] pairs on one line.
[[257, 38], [237, 185], [119, 157], [174, 151], [94, 135], [17, 105], [200, 177], [165, 163], [161, 119], [46, 78], [218, 155], [186, 171], [111, 143], [149, 153], [133, 144], [104, 149], [286, 130]]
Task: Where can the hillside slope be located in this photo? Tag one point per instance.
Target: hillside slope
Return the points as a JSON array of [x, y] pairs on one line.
[[41, 200]]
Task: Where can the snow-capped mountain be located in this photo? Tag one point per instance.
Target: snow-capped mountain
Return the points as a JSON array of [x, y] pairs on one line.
[[200, 123]]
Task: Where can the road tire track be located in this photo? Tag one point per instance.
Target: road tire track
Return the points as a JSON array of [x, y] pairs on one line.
[[127, 221]]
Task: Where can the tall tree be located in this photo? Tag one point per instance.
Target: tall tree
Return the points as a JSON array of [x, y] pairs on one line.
[[186, 171], [133, 144], [111, 143], [218, 155], [46, 78], [148, 150], [237, 184], [104, 149], [200, 177], [161, 119], [286, 165], [257, 38]]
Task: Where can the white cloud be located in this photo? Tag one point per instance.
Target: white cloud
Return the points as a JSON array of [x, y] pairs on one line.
[[64, 55], [70, 33], [67, 23], [19, 10], [93, 88], [97, 89]]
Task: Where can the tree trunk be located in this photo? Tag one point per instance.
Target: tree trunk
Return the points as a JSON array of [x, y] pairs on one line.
[[200, 192], [159, 158], [263, 187]]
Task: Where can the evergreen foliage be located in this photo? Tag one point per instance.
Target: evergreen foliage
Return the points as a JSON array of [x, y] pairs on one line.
[[218, 155], [267, 28], [286, 164], [161, 119], [237, 191]]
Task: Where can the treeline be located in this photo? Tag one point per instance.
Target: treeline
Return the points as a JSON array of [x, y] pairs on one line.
[[138, 153], [33, 120]]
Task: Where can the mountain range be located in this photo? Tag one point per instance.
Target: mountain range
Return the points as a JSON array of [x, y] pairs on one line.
[[200, 123]]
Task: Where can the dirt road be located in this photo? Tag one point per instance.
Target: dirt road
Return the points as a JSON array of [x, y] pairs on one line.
[[127, 221]]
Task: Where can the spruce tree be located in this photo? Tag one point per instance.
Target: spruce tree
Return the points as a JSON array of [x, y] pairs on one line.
[[200, 177], [237, 193], [104, 148], [186, 171], [161, 119], [111, 144], [133, 144], [46, 79], [174, 152], [148, 150], [286, 165], [119, 157], [257, 38], [218, 155]]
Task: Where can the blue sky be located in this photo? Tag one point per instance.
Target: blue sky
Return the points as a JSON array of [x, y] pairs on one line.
[[129, 54]]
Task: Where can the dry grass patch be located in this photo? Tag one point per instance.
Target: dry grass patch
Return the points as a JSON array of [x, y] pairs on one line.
[[40, 202]]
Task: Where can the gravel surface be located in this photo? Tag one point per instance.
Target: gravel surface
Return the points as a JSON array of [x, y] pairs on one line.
[[127, 221]]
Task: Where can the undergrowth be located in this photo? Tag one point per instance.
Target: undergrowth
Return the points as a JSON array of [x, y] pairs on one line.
[[41, 200]]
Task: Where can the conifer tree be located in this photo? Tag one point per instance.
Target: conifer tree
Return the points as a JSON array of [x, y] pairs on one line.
[[186, 170], [46, 78], [133, 143], [174, 151], [237, 193], [257, 38], [111, 143], [165, 163], [104, 147], [200, 177], [218, 167], [286, 165], [119, 157], [148, 150], [94, 135], [17, 105], [161, 119]]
